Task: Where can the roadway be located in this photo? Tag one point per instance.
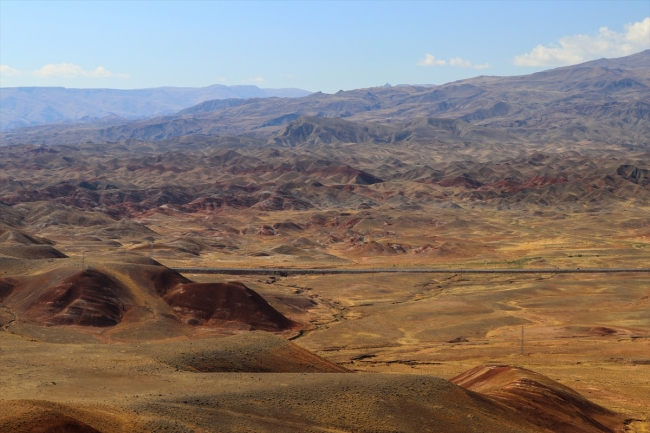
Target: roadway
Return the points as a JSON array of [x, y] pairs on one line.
[[335, 271]]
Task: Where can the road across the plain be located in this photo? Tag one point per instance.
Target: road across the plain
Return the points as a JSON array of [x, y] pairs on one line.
[[283, 272]]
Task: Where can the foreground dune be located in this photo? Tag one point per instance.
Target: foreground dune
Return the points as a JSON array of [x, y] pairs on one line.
[[538, 399], [168, 387], [130, 345]]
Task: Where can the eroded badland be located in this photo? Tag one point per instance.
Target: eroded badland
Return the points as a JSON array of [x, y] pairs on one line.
[[100, 333]]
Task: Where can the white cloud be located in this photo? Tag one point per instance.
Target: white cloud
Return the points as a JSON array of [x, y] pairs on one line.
[[638, 33], [8, 71], [70, 70], [460, 63], [256, 80], [580, 48], [430, 60], [456, 62]]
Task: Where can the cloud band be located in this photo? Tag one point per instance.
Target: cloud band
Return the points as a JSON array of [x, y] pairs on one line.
[[579, 48], [457, 62], [65, 70]]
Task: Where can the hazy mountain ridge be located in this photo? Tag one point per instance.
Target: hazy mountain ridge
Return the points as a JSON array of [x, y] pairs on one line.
[[601, 101], [30, 106]]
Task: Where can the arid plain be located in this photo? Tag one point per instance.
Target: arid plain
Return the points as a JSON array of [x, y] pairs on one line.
[[102, 334]]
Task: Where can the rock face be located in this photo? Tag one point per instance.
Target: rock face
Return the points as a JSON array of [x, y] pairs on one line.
[[319, 130], [266, 230], [634, 174]]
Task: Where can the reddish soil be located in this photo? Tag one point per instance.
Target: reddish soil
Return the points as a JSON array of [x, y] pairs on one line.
[[373, 248], [464, 181], [55, 423], [512, 187], [163, 278], [87, 298], [6, 287], [40, 416], [287, 226], [540, 400], [220, 303], [602, 331], [345, 174], [140, 298]]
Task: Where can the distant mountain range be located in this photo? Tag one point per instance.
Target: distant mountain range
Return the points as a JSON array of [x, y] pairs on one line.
[[29, 106], [605, 100]]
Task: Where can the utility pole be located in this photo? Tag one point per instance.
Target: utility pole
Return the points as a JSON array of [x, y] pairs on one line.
[[83, 259], [250, 256]]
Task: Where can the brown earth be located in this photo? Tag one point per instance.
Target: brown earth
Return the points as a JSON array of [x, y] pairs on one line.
[[245, 352], [218, 304], [98, 332], [31, 252], [412, 327], [541, 401], [16, 237], [130, 388], [450, 208], [122, 302], [86, 298], [35, 421]]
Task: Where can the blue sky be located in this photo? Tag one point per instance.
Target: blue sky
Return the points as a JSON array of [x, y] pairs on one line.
[[323, 46]]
